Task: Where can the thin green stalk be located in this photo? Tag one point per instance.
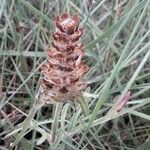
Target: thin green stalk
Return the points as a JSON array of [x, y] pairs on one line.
[[84, 106], [58, 110], [34, 133]]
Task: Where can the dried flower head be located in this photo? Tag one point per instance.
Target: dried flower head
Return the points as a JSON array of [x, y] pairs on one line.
[[63, 72]]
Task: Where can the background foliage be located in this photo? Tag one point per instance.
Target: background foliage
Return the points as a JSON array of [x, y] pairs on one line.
[[117, 50]]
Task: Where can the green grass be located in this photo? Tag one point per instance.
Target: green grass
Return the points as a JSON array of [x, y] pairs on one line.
[[117, 51]]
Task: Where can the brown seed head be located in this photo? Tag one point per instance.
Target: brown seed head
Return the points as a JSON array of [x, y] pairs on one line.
[[63, 72]]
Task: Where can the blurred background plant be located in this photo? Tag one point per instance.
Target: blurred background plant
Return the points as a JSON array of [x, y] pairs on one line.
[[116, 43]]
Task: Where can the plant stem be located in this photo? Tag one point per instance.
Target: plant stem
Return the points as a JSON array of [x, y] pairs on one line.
[[84, 106], [55, 123]]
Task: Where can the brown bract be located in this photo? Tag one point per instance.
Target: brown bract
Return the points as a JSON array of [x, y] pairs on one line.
[[63, 72]]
